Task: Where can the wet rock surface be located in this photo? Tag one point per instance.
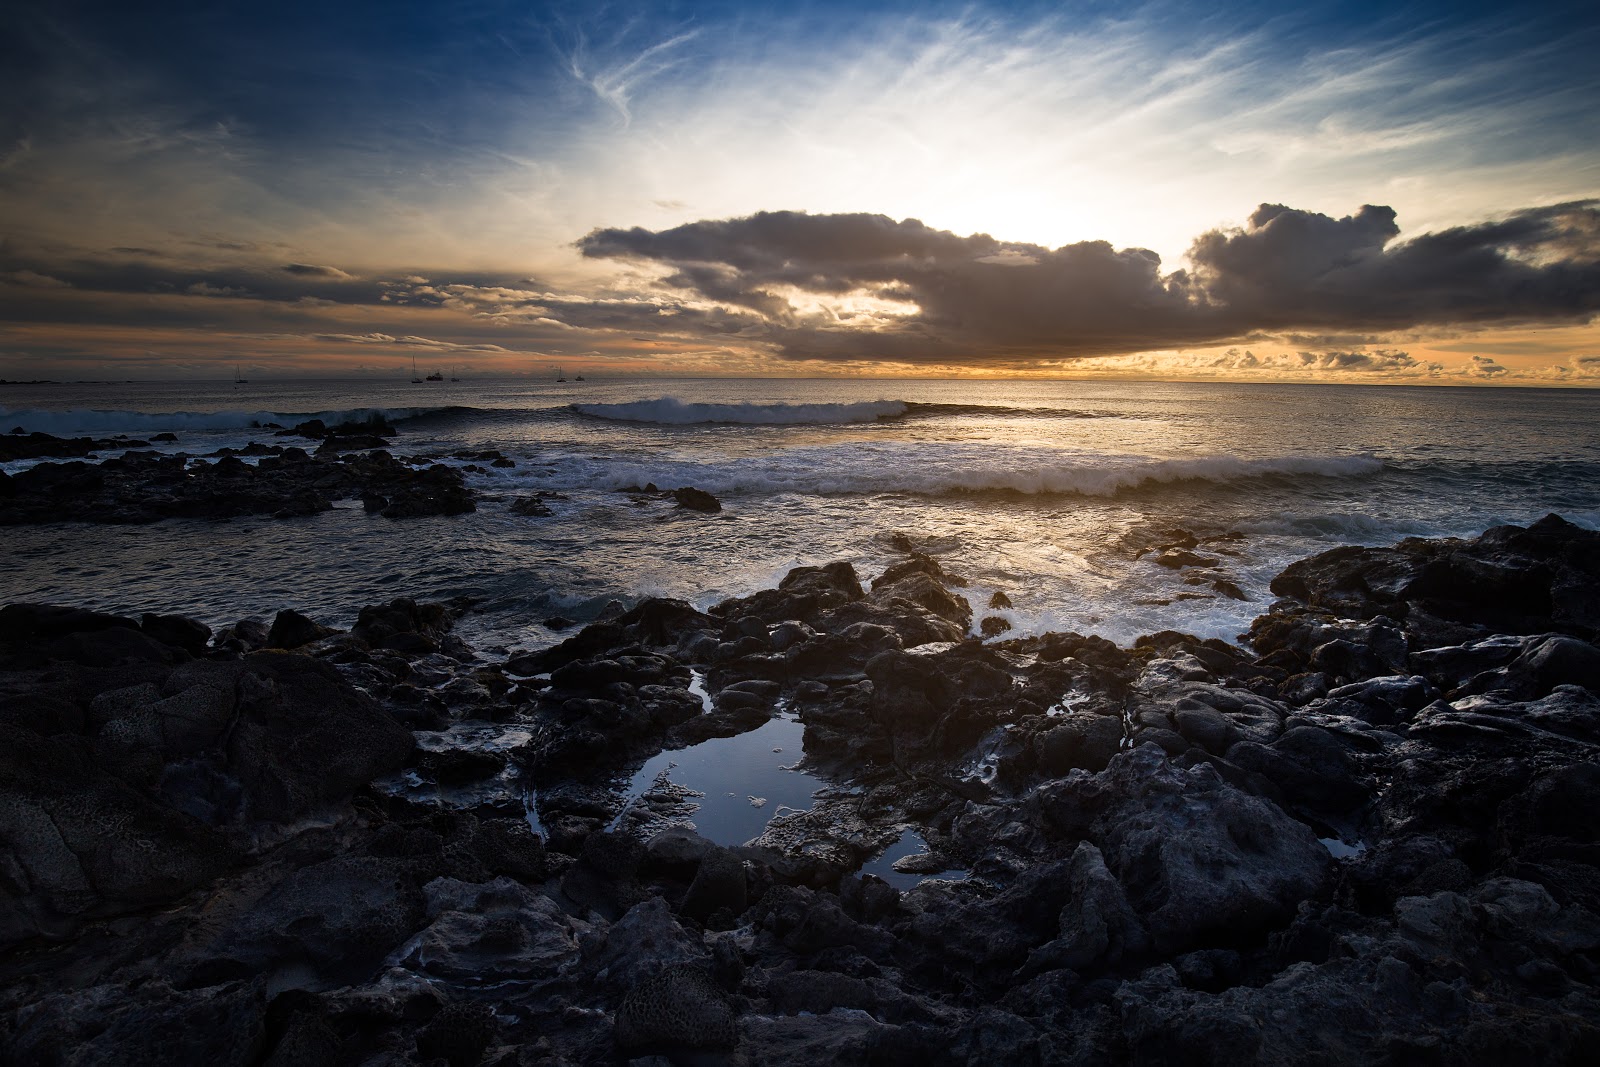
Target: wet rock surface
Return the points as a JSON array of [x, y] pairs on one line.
[[1365, 835], [141, 486]]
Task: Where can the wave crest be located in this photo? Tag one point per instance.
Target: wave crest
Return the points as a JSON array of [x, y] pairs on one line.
[[670, 411], [949, 469]]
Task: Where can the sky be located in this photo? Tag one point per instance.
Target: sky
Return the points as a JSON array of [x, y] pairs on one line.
[[1315, 192]]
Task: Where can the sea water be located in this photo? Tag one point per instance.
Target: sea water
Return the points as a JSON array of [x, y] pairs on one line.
[[1052, 493]]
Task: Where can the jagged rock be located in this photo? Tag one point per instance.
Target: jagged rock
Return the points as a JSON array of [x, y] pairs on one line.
[[290, 629], [642, 944], [719, 884], [78, 842], [148, 1025], [459, 1034], [679, 1009], [491, 933], [184, 633], [1197, 858], [304, 738], [339, 918], [696, 499], [1097, 925]]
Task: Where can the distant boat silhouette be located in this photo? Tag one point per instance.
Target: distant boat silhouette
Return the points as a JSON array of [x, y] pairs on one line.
[[579, 378], [414, 379], [561, 375], [436, 376], [453, 377], [238, 378]]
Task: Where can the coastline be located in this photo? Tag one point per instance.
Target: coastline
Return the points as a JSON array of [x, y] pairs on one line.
[[1369, 826]]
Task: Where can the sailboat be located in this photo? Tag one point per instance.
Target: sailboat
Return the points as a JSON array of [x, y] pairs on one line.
[[453, 377], [561, 375], [414, 379], [239, 378]]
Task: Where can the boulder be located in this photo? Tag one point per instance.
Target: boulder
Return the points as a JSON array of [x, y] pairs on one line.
[[290, 629], [679, 1010], [494, 932], [76, 842], [337, 919], [305, 739], [1199, 860], [696, 500]]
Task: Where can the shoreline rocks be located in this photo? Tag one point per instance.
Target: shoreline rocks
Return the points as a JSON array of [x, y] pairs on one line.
[[142, 487], [1364, 836]]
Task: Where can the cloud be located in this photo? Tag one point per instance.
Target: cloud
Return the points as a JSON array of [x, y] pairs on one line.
[[1383, 361], [1300, 269], [1485, 367], [32, 279], [314, 270], [854, 286], [409, 341], [614, 75], [203, 289]]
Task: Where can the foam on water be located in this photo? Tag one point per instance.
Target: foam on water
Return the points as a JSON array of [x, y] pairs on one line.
[[1044, 491], [931, 468], [671, 411]]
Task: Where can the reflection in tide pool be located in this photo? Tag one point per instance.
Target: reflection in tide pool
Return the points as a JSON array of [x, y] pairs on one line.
[[910, 844], [743, 781]]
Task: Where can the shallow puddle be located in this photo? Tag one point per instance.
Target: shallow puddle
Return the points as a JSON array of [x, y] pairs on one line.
[[1341, 851], [910, 844], [742, 781]]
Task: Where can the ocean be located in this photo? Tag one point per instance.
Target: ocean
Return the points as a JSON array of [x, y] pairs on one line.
[[1059, 495]]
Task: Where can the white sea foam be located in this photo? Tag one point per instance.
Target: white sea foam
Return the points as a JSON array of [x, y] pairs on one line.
[[671, 411], [907, 467], [70, 421]]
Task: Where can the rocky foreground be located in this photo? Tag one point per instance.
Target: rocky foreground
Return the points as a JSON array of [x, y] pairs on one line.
[[1368, 835]]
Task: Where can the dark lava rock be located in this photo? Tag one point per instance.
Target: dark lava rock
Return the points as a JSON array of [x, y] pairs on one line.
[[696, 499], [398, 623], [142, 487], [177, 630], [678, 1010], [290, 629], [1201, 861], [148, 1026], [1510, 580], [41, 445], [531, 506], [993, 626], [193, 833], [76, 841]]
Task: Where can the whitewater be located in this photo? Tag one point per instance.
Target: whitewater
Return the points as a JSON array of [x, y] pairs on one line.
[[1061, 496]]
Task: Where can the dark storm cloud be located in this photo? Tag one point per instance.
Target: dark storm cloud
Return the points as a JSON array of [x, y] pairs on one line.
[[976, 298], [1292, 268], [141, 271]]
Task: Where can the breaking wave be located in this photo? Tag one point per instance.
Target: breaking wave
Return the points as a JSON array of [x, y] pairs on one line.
[[670, 411], [944, 470]]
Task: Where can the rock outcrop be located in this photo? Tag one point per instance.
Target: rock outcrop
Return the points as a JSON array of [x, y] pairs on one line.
[[1367, 838]]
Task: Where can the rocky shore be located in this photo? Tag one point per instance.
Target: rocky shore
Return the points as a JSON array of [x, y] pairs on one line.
[[1365, 834], [283, 481]]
